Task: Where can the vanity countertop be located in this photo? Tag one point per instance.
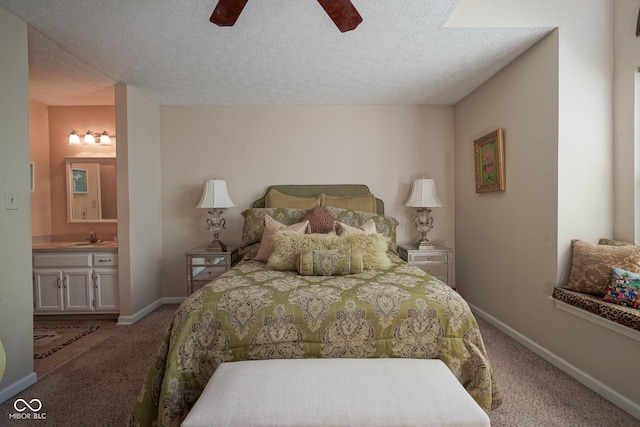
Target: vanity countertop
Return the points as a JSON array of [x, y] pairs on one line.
[[106, 246]]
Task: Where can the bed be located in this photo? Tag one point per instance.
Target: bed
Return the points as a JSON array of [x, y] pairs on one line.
[[342, 293]]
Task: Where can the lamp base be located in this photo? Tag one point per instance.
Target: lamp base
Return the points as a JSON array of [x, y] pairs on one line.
[[217, 246]]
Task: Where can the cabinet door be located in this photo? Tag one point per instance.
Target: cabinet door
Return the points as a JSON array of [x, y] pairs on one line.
[[77, 290], [105, 290], [47, 290]]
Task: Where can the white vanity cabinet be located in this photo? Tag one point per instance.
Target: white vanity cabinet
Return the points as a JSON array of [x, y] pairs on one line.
[[75, 282], [105, 283]]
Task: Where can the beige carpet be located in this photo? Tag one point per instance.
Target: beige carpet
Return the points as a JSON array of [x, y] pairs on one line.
[[56, 342], [99, 387]]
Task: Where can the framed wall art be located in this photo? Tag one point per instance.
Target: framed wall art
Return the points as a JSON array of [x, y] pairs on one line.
[[489, 162], [79, 180]]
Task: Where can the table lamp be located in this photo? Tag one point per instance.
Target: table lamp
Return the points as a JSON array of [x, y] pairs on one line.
[[215, 198], [424, 196]]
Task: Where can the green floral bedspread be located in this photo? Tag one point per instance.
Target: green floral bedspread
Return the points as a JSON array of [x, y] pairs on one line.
[[252, 312]]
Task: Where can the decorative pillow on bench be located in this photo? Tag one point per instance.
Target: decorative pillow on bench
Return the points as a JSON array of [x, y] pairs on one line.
[[624, 288], [591, 265]]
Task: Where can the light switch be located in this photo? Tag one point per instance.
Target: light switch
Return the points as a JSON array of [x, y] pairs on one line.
[[10, 199]]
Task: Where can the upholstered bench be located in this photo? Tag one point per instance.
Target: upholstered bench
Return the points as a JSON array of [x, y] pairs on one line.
[[335, 392]]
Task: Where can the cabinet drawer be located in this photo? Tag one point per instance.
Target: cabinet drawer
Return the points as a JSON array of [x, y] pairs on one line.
[[436, 270], [209, 273], [61, 260], [100, 260], [417, 258]]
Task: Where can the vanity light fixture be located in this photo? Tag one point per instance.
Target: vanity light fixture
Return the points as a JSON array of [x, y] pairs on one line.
[[105, 138], [424, 196], [215, 198], [90, 138], [74, 138]]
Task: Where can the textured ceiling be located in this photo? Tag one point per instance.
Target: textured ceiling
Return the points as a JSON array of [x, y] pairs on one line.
[[278, 52]]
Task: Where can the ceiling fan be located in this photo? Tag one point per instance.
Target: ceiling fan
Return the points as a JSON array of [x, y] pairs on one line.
[[341, 12]]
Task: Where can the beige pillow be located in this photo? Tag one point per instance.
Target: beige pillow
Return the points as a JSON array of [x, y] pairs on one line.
[[368, 227], [364, 202], [592, 264], [329, 262], [289, 244], [271, 226], [276, 199]]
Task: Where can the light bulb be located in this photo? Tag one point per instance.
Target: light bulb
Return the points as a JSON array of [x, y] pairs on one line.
[[74, 138], [89, 139], [105, 139]]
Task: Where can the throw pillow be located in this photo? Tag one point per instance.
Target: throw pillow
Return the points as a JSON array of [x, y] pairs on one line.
[[276, 199], [364, 202], [271, 226], [329, 262], [611, 242], [320, 221], [624, 288], [591, 265], [288, 245], [368, 227], [385, 225], [253, 226]]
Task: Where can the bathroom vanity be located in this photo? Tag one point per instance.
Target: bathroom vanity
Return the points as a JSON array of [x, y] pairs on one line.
[[75, 278]]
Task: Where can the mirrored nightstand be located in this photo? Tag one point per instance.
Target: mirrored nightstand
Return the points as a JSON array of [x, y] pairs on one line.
[[203, 266]]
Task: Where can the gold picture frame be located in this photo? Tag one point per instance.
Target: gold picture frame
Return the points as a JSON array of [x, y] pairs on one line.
[[489, 162]]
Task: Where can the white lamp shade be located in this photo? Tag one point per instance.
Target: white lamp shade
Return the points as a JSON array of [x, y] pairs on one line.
[[215, 195], [424, 194]]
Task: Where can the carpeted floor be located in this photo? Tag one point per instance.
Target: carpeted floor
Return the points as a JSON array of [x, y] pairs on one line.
[[537, 394], [56, 342], [99, 387]]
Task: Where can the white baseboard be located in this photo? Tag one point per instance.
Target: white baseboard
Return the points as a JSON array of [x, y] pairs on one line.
[[173, 300], [130, 320], [587, 380], [15, 388]]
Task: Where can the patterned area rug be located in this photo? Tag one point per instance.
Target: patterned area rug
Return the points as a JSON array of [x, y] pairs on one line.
[[49, 339]]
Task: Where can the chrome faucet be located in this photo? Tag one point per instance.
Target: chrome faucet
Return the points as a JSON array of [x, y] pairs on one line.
[[92, 238]]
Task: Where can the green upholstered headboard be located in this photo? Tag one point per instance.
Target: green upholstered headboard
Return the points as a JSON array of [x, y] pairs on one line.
[[329, 189]]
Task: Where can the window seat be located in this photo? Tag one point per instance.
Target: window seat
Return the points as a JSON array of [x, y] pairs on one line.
[[628, 318]]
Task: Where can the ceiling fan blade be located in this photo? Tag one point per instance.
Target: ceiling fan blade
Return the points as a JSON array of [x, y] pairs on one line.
[[342, 13], [227, 11]]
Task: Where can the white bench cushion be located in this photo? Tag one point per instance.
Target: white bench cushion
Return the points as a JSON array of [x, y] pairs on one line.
[[335, 392]]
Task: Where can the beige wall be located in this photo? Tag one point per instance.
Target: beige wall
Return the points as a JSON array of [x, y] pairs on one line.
[[385, 147], [16, 294], [139, 207], [62, 120], [39, 151], [512, 248], [627, 158]]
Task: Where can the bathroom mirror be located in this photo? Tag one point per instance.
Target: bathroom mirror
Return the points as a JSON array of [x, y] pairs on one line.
[[91, 189]]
